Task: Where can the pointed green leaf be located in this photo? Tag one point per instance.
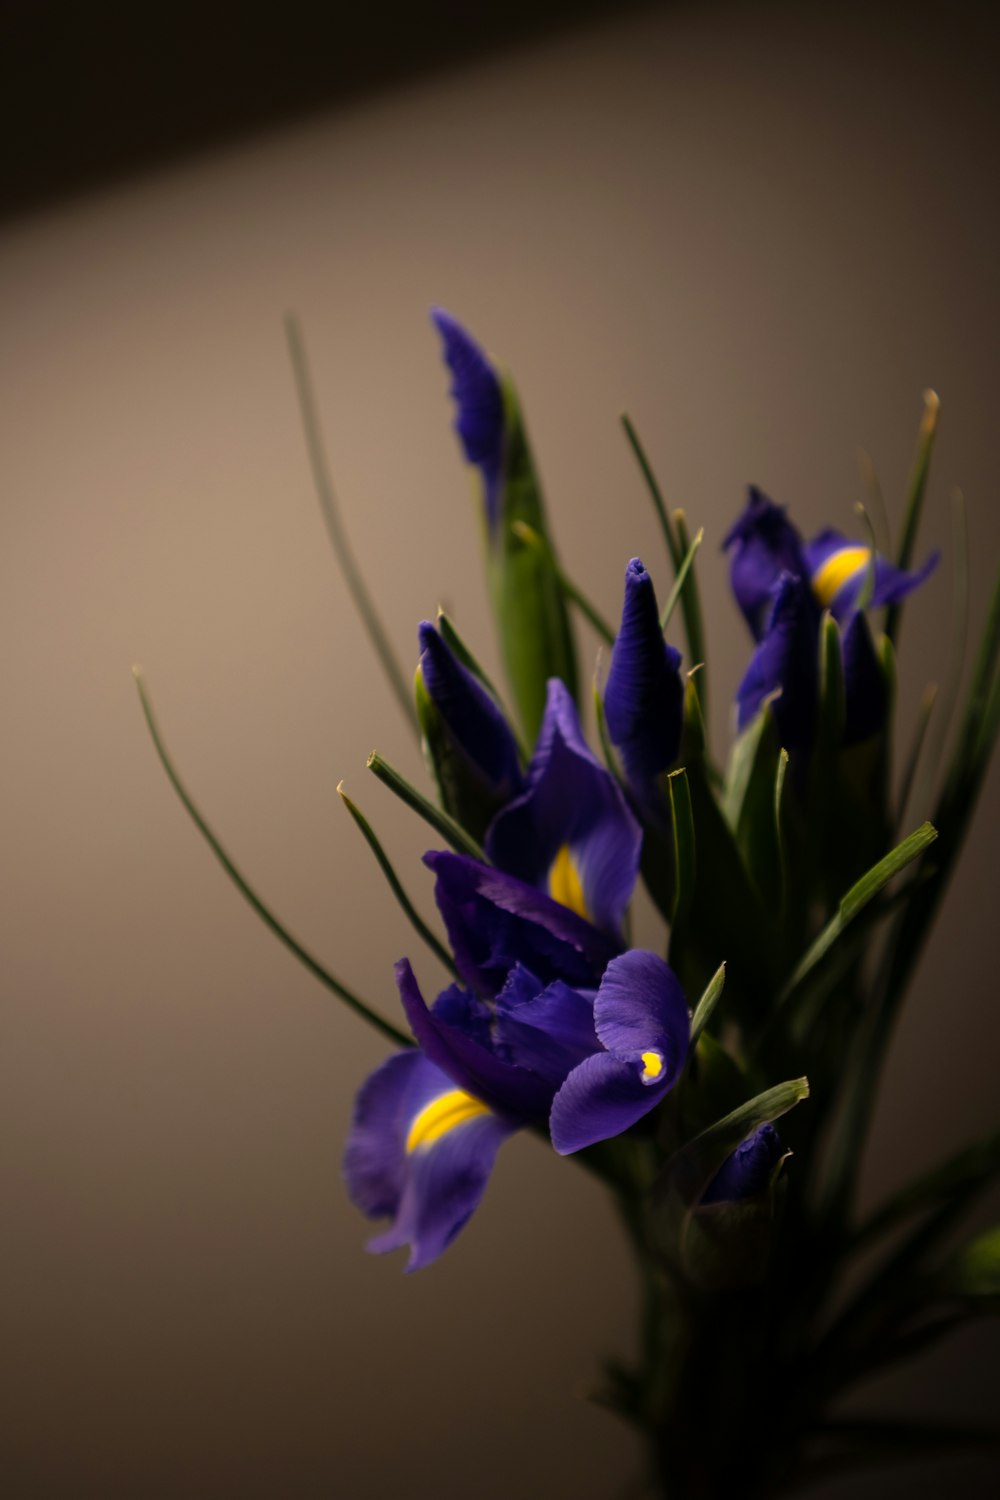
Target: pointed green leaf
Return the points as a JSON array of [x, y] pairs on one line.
[[330, 507], [359, 1006], [914, 501], [707, 1003], [682, 573], [682, 825], [446, 826], [692, 1168], [395, 885], [974, 1273]]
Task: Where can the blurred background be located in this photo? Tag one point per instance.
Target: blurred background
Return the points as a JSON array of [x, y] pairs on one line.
[[762, 229]]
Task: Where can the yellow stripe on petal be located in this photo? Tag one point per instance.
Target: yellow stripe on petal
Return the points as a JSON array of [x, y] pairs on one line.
[[442, 1114], [565, 885], [839, 568]]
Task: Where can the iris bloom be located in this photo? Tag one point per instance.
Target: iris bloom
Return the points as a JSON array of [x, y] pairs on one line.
[[644, 697], [782, 585], [766, 545], [428, 1123]]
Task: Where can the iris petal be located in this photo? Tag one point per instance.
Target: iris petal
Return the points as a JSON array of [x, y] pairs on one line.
[[429, 1192], [571, 800], [480, 419], [640, 1007], [747, 1172], [786, 662], [839, 566], [599, 1099], [767, 545], [495, 921]]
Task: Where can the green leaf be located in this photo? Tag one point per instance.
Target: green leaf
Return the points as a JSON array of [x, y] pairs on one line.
[[685, 870], [330, 507], [854, 902], [682, 573], [751, 805], [528, 599], [395, 885], [446, 826], [693, 626], [927, 701], [359, 1006], [574, 594], [914, 501], [707, 1003]]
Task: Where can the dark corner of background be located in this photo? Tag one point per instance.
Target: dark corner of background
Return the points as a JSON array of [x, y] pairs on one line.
[[93, 93]]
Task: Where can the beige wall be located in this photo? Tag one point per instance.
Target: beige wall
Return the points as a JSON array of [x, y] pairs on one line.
[[763, 236]]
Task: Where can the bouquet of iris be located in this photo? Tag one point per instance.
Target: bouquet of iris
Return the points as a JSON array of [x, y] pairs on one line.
[[722, 1088]]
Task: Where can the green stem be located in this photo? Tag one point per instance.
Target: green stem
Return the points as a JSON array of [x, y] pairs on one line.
[[249, 894], [334, 524], [450, 831]]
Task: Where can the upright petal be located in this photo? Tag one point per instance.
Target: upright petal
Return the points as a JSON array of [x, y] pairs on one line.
[[767, 545], [462, 1052], [786, 662], [837, 571], [549, 1032], [478, 396], [644, 697], [747, 1172], [640, 1012], [419, 1152], [571, 832]]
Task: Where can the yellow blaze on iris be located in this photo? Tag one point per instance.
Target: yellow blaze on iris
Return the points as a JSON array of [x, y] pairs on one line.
[[839, 568], [565, 885], [652, 1066], [441, 1115]]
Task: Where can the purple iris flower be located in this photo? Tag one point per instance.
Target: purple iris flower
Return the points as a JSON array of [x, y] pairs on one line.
[[767, 545], [570, 832], [428, 1124], [479, 398], [473, 719], [747, 1172], [644, 697], [838, 567]]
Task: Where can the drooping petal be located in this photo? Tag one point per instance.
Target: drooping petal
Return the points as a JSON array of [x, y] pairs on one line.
[[786, 661], [766, 545], [467, 1059], [866, 697], [603, 1096], [472, 717], [838, 567], [640, 1011], [747, 1172], [480, 418], [644, 697], [419, 1152], [495, 921], [572, 812]]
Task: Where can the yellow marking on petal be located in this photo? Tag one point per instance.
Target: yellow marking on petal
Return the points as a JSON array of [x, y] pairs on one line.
[[652, 1066], [441, 1115], [839, 568], [565, 885]]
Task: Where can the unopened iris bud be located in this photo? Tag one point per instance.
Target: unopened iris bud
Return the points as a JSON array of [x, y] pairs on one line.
[[527, 594], [749, 1171], [644, 697], [470, 747]]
